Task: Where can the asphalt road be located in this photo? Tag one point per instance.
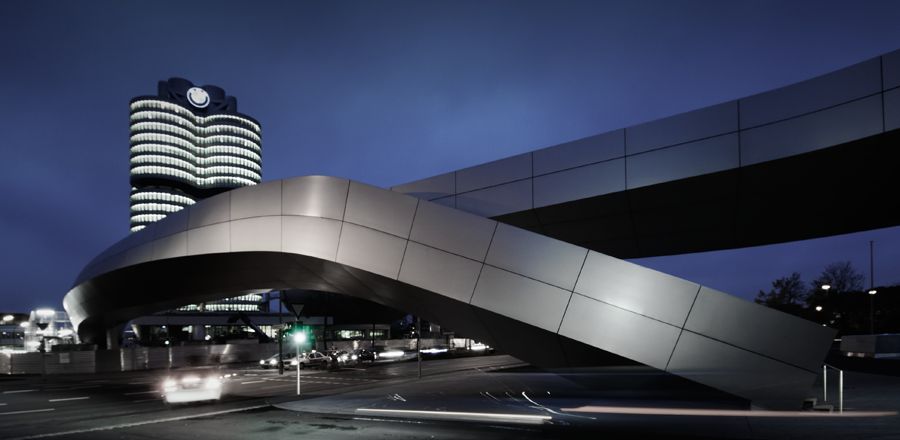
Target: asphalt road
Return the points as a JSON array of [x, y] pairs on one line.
[[487, 397]]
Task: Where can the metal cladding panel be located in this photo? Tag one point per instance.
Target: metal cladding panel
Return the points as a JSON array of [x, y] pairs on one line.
[[585, 151], [138, 254], [216, 209], [503, 199], [892, 110], [313, 236], [685, 127], [370, 250], [815, 94], [447, 274], [683, 161], [378, 209], [172, 224], [759, 329], [818, 130], [619, 331], [891, 68], [738, 371], [579, 183], [635, 288], [494, 173], [256, 200], [315, 196], [170, 246], [446, 201], [536, 256], [431, 188], [209, 239], [256, 234], [452, 230], [517, 297]]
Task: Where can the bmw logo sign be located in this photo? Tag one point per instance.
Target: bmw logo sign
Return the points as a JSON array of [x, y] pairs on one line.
[[198, 97]]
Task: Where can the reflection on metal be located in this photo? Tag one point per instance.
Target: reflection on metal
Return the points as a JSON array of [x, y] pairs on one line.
[[531, 296]]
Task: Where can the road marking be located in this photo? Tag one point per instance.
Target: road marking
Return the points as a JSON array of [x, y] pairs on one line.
[[130, 425], [69, 398], [252, 381], [140, 392], [18, 391], [26, 412]]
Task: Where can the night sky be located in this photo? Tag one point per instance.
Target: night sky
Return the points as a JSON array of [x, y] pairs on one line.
[[387, 92]]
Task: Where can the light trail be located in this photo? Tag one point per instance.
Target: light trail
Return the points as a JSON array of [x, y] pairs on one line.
[[455, 415], [693, 412]]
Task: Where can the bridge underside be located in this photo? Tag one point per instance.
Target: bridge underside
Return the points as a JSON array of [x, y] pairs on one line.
[[842, 189]]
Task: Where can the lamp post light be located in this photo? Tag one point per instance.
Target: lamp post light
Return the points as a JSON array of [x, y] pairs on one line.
[[872, 293], [818, 308], [299, 338]]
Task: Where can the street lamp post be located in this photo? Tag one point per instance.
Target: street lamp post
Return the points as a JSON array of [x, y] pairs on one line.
[[299, 338]]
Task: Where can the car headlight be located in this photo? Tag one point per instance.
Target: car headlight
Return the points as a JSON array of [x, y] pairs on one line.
[[262, 361], [273, 362], [354, 357], [170, 385], [294, 362], [212, 383]]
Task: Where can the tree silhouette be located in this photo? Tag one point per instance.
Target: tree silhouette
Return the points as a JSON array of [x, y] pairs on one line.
[[841, 276], [787, 294]]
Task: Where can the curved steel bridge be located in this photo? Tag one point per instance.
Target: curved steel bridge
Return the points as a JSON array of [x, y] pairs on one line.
[[524, 252]]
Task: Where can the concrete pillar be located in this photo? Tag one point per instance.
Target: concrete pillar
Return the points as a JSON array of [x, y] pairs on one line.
[[114, 337]]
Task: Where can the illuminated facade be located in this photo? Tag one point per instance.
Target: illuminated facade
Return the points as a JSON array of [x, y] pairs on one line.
[[188, 143]]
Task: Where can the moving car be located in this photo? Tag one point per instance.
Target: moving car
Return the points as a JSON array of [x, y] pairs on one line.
[[362, 355], [191, 387], [274, 360], [312, 359]]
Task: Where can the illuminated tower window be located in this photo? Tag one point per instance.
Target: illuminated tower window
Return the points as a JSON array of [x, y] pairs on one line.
[[188, 143]]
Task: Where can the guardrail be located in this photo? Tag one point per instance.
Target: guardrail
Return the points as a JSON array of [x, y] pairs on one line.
[[825, 368]]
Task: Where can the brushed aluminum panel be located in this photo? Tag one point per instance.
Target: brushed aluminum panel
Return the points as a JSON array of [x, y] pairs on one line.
[[517, 297], [440, 272], [683, 161], [891, 68], [503, 199], [452, 230], [684, 127], [256, 200], [256, 234], [216, 209], [494, 173], [536, 256], [823, 129], [378, 209], [315, 196], [579, 183], [138, 254], [619, 331], [835, 88], [446, 201], [313, 236], [370, 250], [892, 110], [738, 371], [636, 288], [431, 188], [173, 223], [580, 152], [209, 239], [759, 329], [170, 246]]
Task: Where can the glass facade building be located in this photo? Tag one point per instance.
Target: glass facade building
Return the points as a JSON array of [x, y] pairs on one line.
[[188, 143]]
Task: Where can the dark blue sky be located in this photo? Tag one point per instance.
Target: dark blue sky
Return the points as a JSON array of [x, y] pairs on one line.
[[387, 92]]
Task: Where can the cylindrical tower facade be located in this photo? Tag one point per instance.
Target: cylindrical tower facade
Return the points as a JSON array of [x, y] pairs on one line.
[[188, 143]]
